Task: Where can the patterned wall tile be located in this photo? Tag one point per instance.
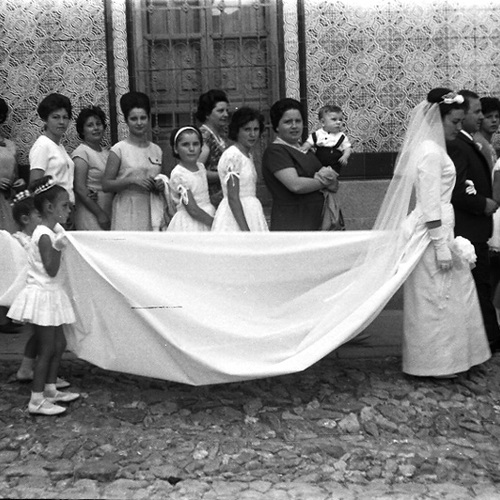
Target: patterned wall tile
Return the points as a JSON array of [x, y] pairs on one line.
[[378, 59], [50, 46]]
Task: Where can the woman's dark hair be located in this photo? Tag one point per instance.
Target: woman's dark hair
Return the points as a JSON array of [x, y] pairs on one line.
[[52, 103], [49, 194], [4, 110], [87, 113], [174, 136], [132, 100], [208, 101], [489, 104], [240, 118], [22, 208], [279, 108], [437, 95]]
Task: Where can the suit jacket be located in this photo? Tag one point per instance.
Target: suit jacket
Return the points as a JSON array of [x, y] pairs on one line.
[[470, 163]]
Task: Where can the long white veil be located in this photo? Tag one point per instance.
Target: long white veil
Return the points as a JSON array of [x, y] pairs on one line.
[[213, 308]]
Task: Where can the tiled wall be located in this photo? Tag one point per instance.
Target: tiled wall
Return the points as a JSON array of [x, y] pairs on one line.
[[377, 59]]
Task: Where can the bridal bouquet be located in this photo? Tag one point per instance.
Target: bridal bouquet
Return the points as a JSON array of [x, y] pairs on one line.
[[464, 250]]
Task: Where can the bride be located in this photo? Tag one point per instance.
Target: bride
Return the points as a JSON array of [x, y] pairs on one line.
[[443, 326]]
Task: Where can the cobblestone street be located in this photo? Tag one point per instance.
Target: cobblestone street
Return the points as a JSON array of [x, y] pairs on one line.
[[346, 428]]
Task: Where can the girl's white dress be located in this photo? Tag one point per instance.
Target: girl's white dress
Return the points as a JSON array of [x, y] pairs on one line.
[[234, 163], [443, 326], [42, 301], [181, 180]]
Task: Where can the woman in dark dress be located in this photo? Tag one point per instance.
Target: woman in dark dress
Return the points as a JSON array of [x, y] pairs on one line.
[[290, 174]]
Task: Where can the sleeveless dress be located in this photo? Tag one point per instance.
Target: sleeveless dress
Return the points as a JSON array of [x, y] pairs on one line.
[[182, 179], [85, 220], [443, 326], [132, 206], [42, 301], [234, 163]]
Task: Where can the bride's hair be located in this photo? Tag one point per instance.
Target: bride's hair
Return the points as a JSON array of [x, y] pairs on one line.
[[447, 100]]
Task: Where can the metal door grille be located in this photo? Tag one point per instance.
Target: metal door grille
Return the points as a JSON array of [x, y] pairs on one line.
[[183, 48]]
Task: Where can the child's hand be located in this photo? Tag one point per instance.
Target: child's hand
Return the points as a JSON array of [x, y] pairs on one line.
[[159, 185], [60, 241], [305, 147], [92, 195], [343, 160]]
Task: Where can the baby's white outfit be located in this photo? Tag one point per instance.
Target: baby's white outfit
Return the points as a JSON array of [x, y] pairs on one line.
[[326, 139]]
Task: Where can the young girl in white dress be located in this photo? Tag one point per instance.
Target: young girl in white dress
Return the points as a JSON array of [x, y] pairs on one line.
[[240, 209], [27, 219], [188, 183], [43, 302]]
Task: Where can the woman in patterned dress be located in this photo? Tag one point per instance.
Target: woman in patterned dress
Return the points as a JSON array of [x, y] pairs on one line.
[[213, 114]]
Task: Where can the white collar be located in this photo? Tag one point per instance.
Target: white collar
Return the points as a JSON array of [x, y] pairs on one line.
[[467, 135]]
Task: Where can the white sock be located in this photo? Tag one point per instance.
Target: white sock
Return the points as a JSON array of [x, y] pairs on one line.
[[49, 389], [36, 397]]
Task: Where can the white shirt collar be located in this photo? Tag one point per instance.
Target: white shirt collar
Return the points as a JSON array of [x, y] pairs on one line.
[[467, 135]]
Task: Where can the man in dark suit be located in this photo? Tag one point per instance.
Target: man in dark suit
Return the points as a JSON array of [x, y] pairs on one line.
[[473, 212]]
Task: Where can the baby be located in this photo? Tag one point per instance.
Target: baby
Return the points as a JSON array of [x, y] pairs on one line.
[[331, 144]]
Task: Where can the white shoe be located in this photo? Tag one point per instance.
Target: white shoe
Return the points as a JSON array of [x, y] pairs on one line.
[[45, 408], [62, 397]]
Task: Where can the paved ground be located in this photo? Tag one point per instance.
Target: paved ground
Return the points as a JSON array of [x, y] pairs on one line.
[[350, 427]]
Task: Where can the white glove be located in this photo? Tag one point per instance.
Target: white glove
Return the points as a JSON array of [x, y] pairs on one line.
[[441, 248], [60, 241]]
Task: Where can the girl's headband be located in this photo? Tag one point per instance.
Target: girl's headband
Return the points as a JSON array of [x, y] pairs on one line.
[[44, 187], [183, 129], [22, 195]]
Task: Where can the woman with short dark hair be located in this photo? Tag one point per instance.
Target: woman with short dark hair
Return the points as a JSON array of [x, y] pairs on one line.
[[93, 205], [131, 169], [47, 155], [289, 173]]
